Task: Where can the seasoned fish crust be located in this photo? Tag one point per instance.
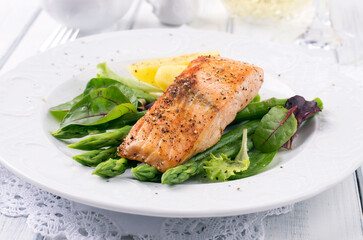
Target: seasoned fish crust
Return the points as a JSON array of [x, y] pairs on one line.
[[193, 112]]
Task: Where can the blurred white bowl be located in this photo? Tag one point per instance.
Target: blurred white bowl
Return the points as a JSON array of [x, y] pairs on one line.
[[87, 15]]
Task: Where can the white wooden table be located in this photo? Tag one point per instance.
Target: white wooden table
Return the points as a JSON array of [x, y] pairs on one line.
[[333, 214]]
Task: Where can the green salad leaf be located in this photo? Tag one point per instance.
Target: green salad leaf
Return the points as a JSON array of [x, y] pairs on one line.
[[79, 131], [105, 72], [222, 168], [96, 83], [275, 129], [61, 110], [134, 96], [242, 156], [99, 106], [258, 161]]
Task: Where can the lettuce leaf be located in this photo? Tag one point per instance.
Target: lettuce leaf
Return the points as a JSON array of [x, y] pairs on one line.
[[105, 72], [222, 168]]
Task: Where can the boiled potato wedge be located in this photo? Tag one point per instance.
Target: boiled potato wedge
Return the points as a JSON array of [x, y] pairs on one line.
[[145, 71], [166, 75]]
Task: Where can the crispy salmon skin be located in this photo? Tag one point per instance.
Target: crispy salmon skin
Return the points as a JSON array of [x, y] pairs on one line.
[[193, 111]]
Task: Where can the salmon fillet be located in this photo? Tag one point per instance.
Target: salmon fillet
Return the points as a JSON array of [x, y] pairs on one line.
[[193, 112]]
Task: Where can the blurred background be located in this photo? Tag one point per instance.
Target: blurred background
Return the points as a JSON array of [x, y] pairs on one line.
[[333, 25]]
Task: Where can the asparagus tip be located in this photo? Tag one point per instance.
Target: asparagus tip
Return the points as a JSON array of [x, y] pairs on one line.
[[72, 145]]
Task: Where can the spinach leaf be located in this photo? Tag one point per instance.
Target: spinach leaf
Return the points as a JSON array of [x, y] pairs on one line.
[[134, 95], [99, 106], [116, 112], [258, 161], [275, 129], [96, 83], [79, 131], [61, 110]]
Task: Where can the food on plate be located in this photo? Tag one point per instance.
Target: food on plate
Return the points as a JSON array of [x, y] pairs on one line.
[[275, 128], [145, 71], [97, 107], [95, 157], [193, 112], [139, 87], [165, 75], [113, 167], [107, 139], [304, 110], [180, 133], [79, 131], [146, 173], [229, 145]]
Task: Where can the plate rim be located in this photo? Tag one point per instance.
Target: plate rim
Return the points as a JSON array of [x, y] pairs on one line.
[[151, 212]]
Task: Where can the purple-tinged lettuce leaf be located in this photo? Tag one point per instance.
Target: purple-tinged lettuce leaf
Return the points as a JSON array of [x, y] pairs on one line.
[[305, 109]]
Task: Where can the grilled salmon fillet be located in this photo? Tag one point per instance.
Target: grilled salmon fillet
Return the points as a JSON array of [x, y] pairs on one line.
[[193, 112]]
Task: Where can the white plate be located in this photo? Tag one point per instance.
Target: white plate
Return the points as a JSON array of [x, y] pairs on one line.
[[328, 149]]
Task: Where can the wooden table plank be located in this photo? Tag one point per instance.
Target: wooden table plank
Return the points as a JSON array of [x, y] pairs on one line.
[[15, 228], [42, 28], [347, 18], [333, 214], [12, 26], [359, 175]]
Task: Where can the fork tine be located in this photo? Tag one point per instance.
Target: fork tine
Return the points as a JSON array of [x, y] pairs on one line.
[[61, 35], [50, 39], [66, 36], [74, 35], [58, 37]]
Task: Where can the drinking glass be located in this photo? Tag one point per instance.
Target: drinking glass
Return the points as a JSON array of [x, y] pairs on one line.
[[320, 34], [264, 11]]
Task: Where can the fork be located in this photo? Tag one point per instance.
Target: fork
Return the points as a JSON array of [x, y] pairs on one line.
[[61, 35]]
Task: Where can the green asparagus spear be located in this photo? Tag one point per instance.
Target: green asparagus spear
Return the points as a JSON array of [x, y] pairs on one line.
[[194, 166], [183, 172], [78, 131], [111, 167], [112, 138], [257, 98], [146, 173], [257, 110], [93, 158]]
